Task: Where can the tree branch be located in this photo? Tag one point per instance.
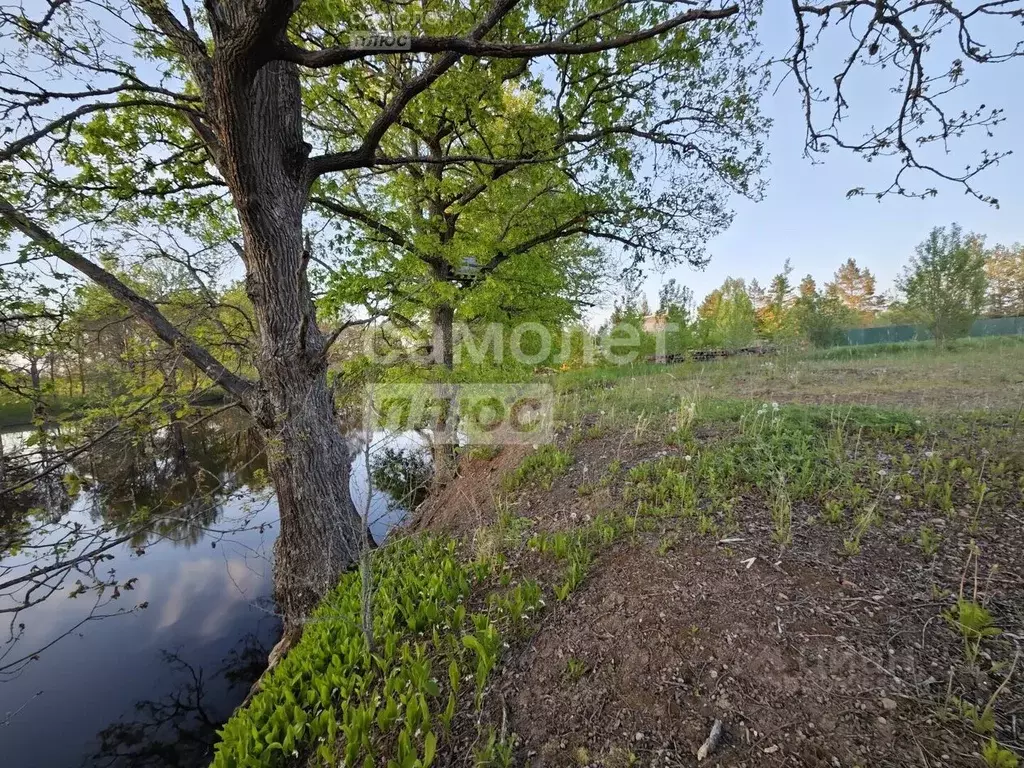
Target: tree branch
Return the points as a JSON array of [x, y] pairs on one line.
[[142, 307], [364, 218], [184, 40], [363, 156], [15, 147], [898, 37], [469, 46]]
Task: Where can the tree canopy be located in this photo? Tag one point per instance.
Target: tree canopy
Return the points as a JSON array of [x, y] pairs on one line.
[[945, 281]]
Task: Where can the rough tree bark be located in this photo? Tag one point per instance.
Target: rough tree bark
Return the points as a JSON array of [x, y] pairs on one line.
[[444, 434], [262, 155]]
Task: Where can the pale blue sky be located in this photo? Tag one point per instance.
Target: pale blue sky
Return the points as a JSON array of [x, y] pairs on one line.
[[805, 215]]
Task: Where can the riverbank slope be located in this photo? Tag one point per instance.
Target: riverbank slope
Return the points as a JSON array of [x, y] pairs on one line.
[[820, 554]]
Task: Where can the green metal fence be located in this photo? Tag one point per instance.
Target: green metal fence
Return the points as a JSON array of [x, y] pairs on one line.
[[998, 326], [984, 326]]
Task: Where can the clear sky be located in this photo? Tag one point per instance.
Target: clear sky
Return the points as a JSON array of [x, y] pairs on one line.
[[805, 215]]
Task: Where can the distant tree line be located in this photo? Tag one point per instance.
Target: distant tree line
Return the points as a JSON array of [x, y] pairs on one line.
[[72, 347], [951, 280], [79, 347]]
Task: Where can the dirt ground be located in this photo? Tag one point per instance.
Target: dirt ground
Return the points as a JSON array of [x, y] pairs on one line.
[[803, 666], [808, 656], [464, 506]]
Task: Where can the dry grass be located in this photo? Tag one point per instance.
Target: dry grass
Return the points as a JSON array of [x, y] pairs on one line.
[[972, 376]]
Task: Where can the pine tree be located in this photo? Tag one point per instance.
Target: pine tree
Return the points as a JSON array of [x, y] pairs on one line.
[[854, 286]]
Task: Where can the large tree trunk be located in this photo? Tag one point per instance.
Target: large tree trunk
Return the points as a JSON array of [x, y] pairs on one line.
[[262, 156], [444, 432], [38, 407], [320, 534]]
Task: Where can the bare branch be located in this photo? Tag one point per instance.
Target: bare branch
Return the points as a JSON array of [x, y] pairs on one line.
[[469, 46], [900, 37]]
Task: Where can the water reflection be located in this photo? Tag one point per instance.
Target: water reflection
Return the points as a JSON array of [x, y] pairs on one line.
[[178, 728], [135, 591]]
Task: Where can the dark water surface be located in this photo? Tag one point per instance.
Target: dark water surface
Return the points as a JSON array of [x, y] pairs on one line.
[[135, 657]]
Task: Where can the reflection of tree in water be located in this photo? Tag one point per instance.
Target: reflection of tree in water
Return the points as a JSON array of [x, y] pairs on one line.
[[402, 473], [14, 513], [179, 729], [187, 469], [47, 500], [141, 489], [131, 478]]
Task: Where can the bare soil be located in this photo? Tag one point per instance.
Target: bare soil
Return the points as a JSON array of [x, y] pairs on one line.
[[468, 503], [808, 656], [803, 666]]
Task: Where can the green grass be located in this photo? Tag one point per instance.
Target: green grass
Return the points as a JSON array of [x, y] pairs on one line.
[[331, 699], [15, 413], [442, 619], [539, 468], [878, 383], [920, 348], [586, 378]]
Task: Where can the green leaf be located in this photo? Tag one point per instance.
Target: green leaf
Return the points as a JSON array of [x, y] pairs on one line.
[[429, 748]]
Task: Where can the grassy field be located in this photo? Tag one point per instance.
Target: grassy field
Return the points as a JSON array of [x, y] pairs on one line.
[[972, 375], [15, 412], [821, 552]]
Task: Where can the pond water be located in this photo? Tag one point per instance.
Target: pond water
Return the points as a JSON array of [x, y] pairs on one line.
[[135, 655]]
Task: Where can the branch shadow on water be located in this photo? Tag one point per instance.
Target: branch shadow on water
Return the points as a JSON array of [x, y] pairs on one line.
[[179, 729]]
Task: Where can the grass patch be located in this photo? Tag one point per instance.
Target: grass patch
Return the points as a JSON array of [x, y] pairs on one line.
[[920, 348], [920, 377], [539, 468], [15, 413], [321, 702]]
